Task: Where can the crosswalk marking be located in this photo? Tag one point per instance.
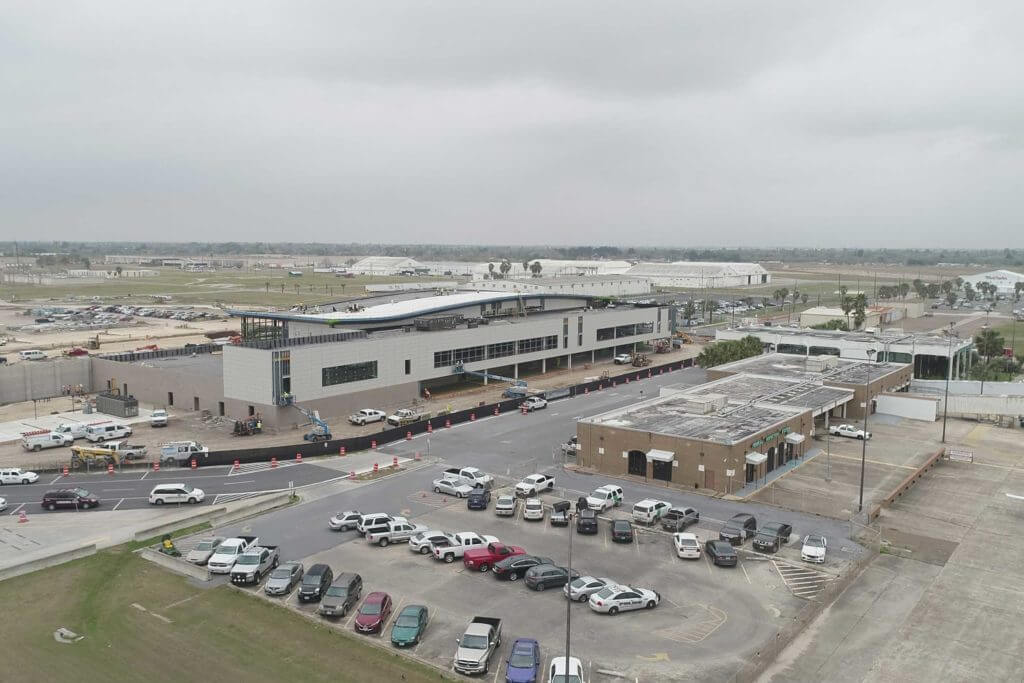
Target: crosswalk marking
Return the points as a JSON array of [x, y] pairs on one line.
[[803, 582], [250, 467]]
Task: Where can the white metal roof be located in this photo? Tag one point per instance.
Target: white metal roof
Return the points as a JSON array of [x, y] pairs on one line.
[[412, 307], [696, 269]]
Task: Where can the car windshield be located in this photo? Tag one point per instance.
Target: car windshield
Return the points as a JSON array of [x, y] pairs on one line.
[[205, 545], [534, 504], [337, 591], [521, 660], [505, 500], [188, 488], [370, 608], [566, 679], [281, 573], [310, 579], [606, 593], [249, 559], [620, 525], [578, 583], [407, 621], [687, 541], [474, 642], [83, 493], [815, 542]]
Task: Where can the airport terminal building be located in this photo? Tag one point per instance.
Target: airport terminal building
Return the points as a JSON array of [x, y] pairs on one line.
[[384, 354]]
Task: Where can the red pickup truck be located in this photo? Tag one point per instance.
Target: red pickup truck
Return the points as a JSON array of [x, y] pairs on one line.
[[483, 559]]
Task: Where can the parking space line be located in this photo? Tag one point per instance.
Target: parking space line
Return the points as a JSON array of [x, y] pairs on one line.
[[744, 568], [351, 618], [56, 479], [143, 475], [497, 671], [15, 510], [391, 617], [118, 504]]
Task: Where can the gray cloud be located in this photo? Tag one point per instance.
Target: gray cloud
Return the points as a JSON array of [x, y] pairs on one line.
[[572, 123]]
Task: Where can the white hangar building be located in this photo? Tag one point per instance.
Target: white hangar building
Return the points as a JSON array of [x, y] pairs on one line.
[[699, 274]]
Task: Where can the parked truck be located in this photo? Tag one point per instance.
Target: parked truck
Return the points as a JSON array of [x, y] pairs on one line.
[[477, 645], [394, 532], [38, 440], [181, 452], [472, 476], [405, 416], [126, 451], [252, 565], [228, 553], [460, 543], [572, 446]]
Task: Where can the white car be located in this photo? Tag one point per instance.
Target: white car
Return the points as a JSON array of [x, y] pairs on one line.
[[687, 546], [534, 484], [534, 403], [559, 672], [814, 548], [849, 431], [366, 416], [605, 497], [623, 359], [3, 504], [505, 506], [423, 542], [615, 599], [533, 509], [16, 475], [649, 511], [176, 493], [580, 589], [452, 487], [343, 521], [158, 418]]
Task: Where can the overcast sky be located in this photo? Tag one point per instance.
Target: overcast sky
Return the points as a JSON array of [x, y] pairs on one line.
[[671, 123]]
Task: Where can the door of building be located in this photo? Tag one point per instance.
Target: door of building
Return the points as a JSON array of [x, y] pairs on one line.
[[662, 470], [638, 463], [750, 473], [770, 463], [709, 479]]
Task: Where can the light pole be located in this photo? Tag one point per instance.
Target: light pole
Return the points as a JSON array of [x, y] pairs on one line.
[[564, 505], [864, 441], [949, 371]]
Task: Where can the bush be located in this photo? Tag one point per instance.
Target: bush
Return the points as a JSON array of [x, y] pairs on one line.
[[729, 351]]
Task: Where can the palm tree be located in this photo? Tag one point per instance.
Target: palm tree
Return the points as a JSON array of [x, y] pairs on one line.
[[505, 266], [847, 305], [860, 304], [904, 290], [535, 268], [490, 270], [689, 310], [526, 265], [951, 298], [803, 298], [989, 343]]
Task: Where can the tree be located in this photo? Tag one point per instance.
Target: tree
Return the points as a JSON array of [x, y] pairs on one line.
[[505, 267], [959, 282], [729, 351], [933, 290], [860, 304], [847, 305], [842, 292], [904, 290], [490, 270], [535, 268], [689, 310], [969, 292], [947, 287], [526, 266], [1018, 289], [832, 325], [119, 270], [803, 298], [989, 343], [950, 298]]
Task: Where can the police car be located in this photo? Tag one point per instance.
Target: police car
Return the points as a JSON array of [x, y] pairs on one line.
[[615, 599]]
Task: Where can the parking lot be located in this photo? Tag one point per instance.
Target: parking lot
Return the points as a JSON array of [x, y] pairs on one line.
[[709, 618]]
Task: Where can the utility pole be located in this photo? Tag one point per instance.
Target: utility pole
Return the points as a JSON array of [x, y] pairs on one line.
[[864, 441], [949, 371]]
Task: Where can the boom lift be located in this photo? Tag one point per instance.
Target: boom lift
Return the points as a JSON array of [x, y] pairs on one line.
[[517, 390]]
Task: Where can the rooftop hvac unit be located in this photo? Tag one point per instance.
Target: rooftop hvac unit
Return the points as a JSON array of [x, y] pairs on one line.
[[706, 404], [822, 363]]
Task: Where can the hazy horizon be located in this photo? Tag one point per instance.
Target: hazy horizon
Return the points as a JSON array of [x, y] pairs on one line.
[[659, 125]]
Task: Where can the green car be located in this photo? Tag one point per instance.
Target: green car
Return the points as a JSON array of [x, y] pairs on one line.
[[409, 625]]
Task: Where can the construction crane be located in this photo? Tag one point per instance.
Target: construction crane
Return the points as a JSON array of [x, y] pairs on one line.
[[518, 388], [321, 431]]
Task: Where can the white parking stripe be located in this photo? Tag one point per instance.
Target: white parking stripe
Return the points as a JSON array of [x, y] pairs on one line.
[[15, 510], [118, 504], [56, 479]]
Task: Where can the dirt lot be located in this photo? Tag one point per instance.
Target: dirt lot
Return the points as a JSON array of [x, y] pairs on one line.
[[141, 623]]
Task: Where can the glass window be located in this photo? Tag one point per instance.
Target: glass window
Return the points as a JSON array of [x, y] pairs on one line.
[[606, 333], [353, 372], [501, 349], [442, 359]]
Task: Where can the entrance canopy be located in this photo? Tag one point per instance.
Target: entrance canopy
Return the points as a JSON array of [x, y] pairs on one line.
[[756, 458], [660, 456], [794, 438]]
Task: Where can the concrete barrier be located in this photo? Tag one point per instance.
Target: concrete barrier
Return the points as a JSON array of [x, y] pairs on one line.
[[176, 565], [905, 485], [44, 561], [252, 506], [199, 516]]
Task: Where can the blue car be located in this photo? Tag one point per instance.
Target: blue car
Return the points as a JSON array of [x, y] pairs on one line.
[[478, 500], [523, 664]]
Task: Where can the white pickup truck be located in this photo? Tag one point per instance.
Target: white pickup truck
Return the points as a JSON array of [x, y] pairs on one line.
[[534, 484], [394, 532], [849, 431], [473, 476], [228, 553], [37, 441], [460, 543], [254, 563]]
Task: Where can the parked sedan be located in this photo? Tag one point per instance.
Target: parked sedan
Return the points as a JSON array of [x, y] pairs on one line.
[[721, 553], [343, 521], [622, 531], [505, 506], [284, 578], [374, 612], [615, 599], [686, 544], [523, 663], [409, 625], [814, 548], [581, 588], [548, 576], [451, 487], [512, 568], [204, 550], [772, 536]]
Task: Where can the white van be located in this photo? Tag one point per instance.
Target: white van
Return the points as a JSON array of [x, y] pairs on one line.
[[76, 430], [31, 355], [176, 493], [106, 432], [37, 441]]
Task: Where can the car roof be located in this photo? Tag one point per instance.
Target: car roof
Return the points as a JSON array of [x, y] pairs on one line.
[[376, 596], [744, 516], [412, 609], [524, 643], [318, 568], [686, 535], [620, 522]]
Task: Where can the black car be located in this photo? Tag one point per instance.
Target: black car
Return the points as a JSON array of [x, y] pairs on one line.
[[74, 499], [315, 583], [772, 535], [479, 499], [622, 531], [721, 553], [586, 522], [738, 529], [548, 576], [512, 568], [677, 519]]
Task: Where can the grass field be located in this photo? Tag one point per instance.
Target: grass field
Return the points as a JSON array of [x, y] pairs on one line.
[[1016, 338], [211, 634], [230, 287]]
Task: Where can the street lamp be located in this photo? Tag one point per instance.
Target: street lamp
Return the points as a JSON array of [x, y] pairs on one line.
[[564, 507], [864, 441], [949, 371]]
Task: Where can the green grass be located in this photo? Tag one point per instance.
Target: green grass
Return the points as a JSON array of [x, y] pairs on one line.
[[1010, 336], [187, 531], [229, 287], [217, 634]]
